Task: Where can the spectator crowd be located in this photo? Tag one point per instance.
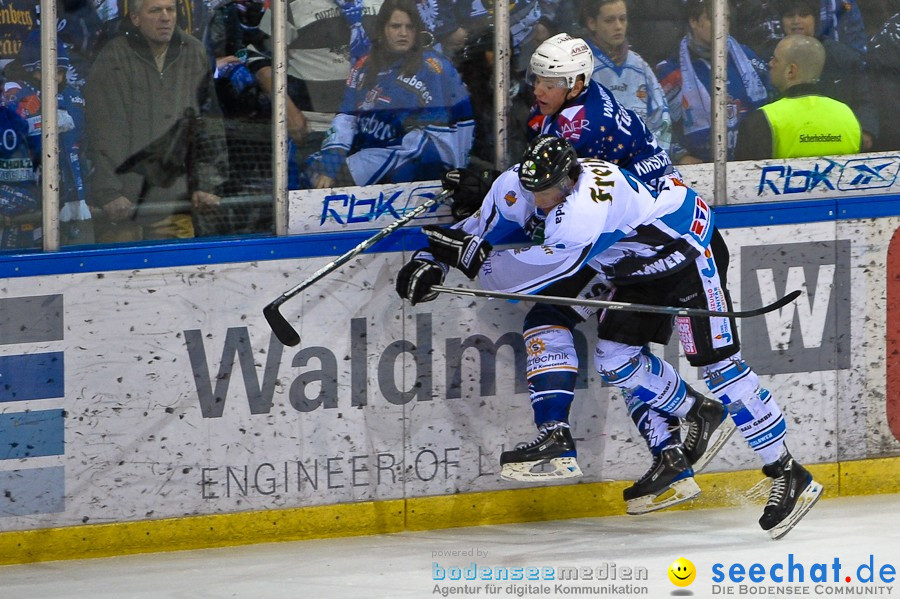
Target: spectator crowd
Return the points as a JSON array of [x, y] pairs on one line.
[[164, 106]]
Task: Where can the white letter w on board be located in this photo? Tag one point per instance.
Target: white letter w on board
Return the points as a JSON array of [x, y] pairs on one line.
[[811, 310]]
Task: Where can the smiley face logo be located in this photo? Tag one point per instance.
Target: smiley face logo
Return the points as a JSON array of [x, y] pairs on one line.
[[682, 572]]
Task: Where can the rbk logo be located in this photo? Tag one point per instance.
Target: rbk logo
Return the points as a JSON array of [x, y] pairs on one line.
[[871, 176]]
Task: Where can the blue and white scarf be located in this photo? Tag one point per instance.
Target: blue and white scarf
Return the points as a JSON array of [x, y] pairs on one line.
[[695, 95]]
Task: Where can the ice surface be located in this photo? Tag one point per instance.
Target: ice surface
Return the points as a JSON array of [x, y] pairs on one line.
[[403, 565]]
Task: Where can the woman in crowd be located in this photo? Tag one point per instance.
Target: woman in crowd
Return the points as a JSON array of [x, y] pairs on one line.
[[406, 115]]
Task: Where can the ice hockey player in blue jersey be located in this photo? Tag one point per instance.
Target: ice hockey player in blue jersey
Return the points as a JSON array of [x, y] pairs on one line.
[[601, 227], [570, 104], [406, 115]]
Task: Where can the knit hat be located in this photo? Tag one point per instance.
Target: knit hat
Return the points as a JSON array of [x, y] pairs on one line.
[[30, 53]]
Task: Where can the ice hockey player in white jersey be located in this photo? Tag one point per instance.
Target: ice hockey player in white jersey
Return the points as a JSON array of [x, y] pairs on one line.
[[596, 225], [571, 106]]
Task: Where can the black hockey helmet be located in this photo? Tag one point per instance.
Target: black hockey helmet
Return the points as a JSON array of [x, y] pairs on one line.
[[547, 161]]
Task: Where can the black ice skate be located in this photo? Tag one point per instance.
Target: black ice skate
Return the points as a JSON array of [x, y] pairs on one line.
[[709, 428], [669, 481], [554, 446], [793, 493]]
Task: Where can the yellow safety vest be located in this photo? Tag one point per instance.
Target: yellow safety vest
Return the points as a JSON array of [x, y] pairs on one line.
[[812, 126]]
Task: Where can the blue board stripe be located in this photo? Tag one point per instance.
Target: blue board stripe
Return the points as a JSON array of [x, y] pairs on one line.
[[32, 376], [32, 434], [258, 248], [33, 491]]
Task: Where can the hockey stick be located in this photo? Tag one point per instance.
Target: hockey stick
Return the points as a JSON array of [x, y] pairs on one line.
[[623, 306], [281, 327]]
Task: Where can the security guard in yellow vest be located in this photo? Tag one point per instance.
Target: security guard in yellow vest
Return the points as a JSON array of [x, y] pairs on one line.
[[803, 122]]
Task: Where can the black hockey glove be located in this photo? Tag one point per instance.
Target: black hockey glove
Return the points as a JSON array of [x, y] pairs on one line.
[[455, 247], [415, 279], [469, 188]]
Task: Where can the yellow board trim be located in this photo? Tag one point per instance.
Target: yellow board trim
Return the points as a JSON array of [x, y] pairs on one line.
[[552, 502]]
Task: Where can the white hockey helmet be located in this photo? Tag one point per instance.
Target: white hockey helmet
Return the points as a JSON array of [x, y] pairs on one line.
[[562, 56]]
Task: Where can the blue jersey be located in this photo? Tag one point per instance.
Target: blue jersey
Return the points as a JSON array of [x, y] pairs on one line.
[[19, 156], [402, 127], [25, 99], [598, 126]]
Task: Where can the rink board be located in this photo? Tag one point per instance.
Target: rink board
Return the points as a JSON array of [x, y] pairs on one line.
[[134, 396]]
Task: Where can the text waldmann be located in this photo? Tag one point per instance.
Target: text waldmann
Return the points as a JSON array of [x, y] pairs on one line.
[[317, 368]]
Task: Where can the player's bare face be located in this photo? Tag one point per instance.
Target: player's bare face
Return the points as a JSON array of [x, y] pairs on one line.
[[610, 25], [798, 24], [156, 21], [550, 93], [399, 33], [549, 199]]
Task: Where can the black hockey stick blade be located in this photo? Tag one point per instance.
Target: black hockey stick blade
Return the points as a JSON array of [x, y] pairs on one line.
[[623, 306], [280, 326]]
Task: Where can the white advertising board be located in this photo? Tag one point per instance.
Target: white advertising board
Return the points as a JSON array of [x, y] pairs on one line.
[[136, 395]]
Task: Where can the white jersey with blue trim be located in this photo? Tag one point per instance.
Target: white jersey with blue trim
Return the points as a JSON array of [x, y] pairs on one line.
[[610, 222]]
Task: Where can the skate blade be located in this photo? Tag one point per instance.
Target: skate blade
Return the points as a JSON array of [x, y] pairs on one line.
[[678, 492], [721, 436], [521, 471], [807, 499]]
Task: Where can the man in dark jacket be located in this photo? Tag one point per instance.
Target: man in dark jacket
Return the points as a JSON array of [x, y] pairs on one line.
[[141, 84]]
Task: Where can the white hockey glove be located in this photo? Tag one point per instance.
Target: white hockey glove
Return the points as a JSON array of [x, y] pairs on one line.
[[455, 247], [415, 279]]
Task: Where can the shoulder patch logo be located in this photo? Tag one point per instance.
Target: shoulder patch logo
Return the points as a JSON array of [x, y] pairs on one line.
[[435, 65]]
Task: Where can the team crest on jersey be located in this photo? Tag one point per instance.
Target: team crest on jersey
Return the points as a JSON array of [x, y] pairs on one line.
[[371, 97], [510, 198], [701, 218], [641, 93], [29, 106]]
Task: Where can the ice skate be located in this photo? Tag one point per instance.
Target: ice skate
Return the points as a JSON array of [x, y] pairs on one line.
[[709, 428], [669, 481], [554, 446], [793, 493]]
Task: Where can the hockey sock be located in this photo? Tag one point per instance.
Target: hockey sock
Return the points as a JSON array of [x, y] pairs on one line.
[[551, 396], [658, 430], [643, 375], [552, 370], [753, 409]]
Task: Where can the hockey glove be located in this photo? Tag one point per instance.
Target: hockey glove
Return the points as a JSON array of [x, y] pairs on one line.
[[469, 188], [415, 279], [457, 248]]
